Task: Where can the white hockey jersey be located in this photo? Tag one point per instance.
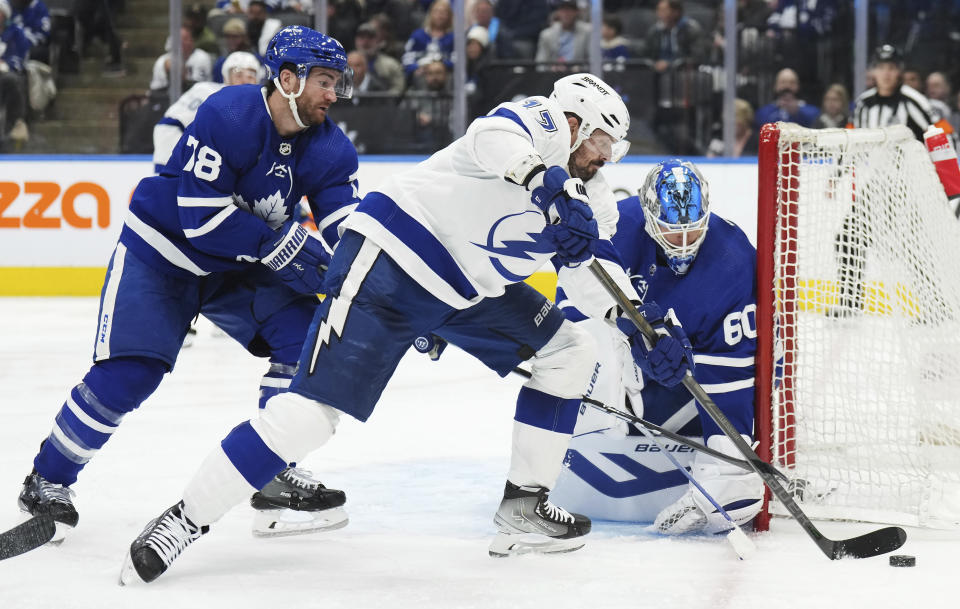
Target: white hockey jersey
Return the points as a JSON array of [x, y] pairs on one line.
[[455, 225], [167, 132]]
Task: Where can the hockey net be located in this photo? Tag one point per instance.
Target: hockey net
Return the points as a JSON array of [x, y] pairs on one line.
[[858, 319]]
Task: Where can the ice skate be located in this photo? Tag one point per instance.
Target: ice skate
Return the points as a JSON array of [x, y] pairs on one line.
[[162, 540], [294, 503], [529, 524], [40, 496]]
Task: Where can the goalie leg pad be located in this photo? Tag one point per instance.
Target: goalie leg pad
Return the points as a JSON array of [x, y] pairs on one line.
[[740, 494]]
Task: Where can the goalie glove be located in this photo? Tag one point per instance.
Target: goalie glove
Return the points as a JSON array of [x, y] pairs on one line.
[[298, 258], [670, 357], [431, 344], [570, 228]]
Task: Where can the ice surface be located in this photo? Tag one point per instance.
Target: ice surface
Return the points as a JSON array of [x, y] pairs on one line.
[[423, 478]]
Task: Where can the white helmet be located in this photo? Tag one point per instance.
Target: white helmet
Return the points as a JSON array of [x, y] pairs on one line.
[[597, 106], [241, 60]]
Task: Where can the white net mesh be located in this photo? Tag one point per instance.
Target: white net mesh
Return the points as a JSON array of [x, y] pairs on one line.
[[866, 397]]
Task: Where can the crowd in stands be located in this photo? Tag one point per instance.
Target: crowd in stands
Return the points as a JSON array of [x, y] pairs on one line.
[[665, 56], [28, 61]]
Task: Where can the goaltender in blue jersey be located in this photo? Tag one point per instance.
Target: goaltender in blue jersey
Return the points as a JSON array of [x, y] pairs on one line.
[[214, 234], [700, 270]]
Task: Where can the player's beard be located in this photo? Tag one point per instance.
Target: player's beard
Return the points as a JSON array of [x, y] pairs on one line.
[[310, 113], [582, 168]]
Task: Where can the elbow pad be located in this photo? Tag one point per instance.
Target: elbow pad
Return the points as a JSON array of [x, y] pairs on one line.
[[525, 169]]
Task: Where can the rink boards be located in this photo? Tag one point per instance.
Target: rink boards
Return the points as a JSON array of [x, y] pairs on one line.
[[60, 215]]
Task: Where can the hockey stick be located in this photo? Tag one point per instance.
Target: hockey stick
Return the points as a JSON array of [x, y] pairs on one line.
[[26, 536], [741, 544], [666, 433], [877, 542]]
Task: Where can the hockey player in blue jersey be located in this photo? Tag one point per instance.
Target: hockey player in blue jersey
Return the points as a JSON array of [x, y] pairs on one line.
[[699, 269], [213, 234], [444, 248]]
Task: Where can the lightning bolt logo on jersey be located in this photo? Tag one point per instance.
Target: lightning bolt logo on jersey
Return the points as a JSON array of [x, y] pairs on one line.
[[453, 223], [508, 251]]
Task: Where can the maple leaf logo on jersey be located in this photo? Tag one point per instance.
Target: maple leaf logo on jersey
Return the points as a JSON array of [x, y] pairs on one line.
[[271, 209], [640, 285], [536, 249]]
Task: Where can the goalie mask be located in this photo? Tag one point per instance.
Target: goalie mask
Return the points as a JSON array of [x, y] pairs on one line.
[[676, 205], [597, 106], [306, 49]]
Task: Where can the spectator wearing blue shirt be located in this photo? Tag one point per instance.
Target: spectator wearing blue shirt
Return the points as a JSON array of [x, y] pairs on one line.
[[567, 39], [521, 22], [431, 42], [483, 16], [787, 105], [33, 18], [613, 45], [13, 75]]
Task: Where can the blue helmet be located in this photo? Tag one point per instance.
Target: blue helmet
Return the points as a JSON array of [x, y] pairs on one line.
[[676, 204], [306, 48]]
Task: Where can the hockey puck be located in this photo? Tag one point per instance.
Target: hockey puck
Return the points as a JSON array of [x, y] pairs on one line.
[[902, 560]]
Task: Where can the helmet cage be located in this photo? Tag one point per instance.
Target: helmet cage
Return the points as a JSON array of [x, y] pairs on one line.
[[676, 205]]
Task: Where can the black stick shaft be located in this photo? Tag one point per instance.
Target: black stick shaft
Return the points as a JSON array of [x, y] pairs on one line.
[[860, 547]]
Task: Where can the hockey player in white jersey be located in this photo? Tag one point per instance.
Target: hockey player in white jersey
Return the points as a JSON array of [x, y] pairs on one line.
[[239, 68], [213, 234], [444, 248], [700, 270]]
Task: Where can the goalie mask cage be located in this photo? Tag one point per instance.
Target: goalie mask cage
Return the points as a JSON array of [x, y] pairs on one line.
[[858, 325]]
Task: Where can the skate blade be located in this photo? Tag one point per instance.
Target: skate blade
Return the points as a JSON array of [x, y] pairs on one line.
[[60, 534], [504, 544], [128, 573], [285, 522]]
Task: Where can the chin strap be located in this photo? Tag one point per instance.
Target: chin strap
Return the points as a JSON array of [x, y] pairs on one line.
[[292, 99]]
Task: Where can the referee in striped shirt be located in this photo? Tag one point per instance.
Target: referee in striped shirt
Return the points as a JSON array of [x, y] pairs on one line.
[[891, 102]]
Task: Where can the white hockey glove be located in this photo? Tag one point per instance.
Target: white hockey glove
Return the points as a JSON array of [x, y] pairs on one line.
[[299, 258]]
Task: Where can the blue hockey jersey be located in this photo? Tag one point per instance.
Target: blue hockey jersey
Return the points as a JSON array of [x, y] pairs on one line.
[[715, 302], [232, 182]]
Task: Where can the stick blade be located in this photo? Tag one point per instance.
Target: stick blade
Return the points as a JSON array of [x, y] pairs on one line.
[[871, 544], [27, 536]]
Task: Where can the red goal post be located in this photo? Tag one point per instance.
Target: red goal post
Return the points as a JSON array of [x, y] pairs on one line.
[[858, 326]]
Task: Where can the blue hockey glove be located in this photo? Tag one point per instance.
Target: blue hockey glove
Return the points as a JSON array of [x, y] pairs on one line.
[[570, 228], [299, 258], [666, 361], [431, 344]]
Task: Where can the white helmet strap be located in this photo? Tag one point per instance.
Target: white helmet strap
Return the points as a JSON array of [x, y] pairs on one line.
[[292, 98]]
